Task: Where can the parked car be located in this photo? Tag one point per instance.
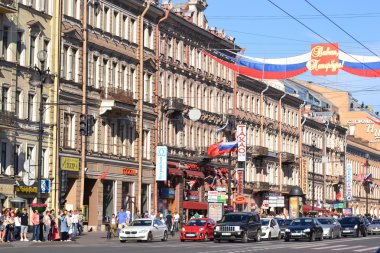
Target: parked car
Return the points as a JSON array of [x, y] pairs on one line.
[[284, 224], [144, 230], [374, 227], [238, 226], [352, 225], [270, 229], [198, 229], [331, 227], [304, 228]]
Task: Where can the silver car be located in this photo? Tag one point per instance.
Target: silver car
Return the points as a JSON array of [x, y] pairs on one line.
[[374, 227], [331, 227]]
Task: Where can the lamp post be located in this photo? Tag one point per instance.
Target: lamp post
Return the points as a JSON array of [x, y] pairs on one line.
[[40, 78], [366, 183], [313, 145]]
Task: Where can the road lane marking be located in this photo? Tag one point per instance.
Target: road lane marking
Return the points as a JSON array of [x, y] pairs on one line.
[[331, 246], [351, 247], [367, 249]]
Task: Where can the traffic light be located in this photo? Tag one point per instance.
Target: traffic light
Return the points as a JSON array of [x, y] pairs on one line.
[[90, 124], [83, 125]]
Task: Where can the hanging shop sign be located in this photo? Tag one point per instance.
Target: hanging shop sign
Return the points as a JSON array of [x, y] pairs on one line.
[[240, 181], [241, 137], [45, 186], [69, 163], [212, 196], [349, 182], [161, 163], [240, 200], [26, 189], [129, 172], [192, 195], [192, 166], [167, 193]]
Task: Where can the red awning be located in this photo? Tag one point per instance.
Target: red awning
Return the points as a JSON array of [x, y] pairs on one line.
[[173, 164], [174, 171], [195, 174], [195, 205], [307, 208]]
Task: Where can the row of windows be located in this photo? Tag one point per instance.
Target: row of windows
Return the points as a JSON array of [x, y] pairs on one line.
[[309, 137], [40, 5], [359, 168], [115, 137], [359, 191]]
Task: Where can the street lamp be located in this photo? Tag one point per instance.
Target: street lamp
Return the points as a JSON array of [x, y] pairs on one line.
[[366, 183], [313, 145], [41, 77]]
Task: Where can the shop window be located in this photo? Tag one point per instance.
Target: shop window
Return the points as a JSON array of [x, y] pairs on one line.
[[108, 198]]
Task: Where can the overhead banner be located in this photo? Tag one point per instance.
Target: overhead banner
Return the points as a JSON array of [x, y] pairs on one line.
[[349, 182], [161, 163], [324, 59]]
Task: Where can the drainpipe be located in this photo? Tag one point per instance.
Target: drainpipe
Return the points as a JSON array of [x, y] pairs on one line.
[[156, 108], [324, 166], [141, 104], [262, 123], [300, 158], [344, 170], [280, 139]]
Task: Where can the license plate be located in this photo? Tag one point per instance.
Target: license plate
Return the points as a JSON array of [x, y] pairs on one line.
[[345, 231], [190, 235], [296, 234], [226, 233]]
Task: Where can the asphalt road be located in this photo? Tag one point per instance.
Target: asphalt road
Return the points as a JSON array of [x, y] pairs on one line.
[[96, 243]]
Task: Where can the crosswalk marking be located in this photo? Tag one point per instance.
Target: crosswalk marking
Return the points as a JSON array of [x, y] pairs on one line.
[[330, 247], [350, 247], [367, 249]]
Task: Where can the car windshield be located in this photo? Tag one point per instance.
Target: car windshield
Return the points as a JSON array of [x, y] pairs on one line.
[[303, 222], [324, 221], [349, 221], [196, 223], [376, 222], [137, 223], [235, 218], [264, 222]]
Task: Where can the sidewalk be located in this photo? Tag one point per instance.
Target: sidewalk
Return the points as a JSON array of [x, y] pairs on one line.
[[86, 239]]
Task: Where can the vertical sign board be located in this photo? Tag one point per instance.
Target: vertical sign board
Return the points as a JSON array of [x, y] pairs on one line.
[[161, 163], [241, 137], [215, 211], [240, 182], [349, 182]]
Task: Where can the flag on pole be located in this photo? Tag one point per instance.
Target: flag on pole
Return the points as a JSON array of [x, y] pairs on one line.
[[220, 148], [104, 174]]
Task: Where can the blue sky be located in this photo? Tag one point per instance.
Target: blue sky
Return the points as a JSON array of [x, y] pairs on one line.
[[267, 32]]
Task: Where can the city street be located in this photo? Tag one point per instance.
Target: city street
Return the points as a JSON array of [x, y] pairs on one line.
[[95, 242]]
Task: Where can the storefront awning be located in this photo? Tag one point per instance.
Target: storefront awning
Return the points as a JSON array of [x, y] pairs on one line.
[[195, 174], [195, 205], [176, 172]]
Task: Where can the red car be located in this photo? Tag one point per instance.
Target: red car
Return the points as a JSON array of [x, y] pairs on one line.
[[198, 229]]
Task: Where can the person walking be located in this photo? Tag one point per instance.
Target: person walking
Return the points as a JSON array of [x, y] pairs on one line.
[[80, 223], [169, 223], [64, 228], [36, 226], [75, 222], [17, 230], [10, 227], [176, 221], [47, 226], [121, 220], [113, 225], [24, 225]]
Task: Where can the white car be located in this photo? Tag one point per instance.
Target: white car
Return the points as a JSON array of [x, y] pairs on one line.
[[270, 229], [144, 230]]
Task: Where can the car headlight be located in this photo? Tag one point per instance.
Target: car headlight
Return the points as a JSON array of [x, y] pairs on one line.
[[237, 228], [183, 229], [356, 227], [217, 228], [265, 228], [306, 230], [143, 231], [201, 229], [287, 230]]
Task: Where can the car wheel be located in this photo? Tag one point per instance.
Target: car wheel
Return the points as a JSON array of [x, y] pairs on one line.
[[182, 240], [332, 235], [205, 238], [122, 241], [165, 238], [150, 237], [216, 240], [279, 236], [244, 238], [312, 237], [286, 239], [321, 238], [345, 236], [270, 236], [258, 236]]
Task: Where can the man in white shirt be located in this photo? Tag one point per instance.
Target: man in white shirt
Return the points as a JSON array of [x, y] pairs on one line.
[[176, 221], [75, 221]]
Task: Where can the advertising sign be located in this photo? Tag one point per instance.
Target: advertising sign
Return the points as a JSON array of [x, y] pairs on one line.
[[212, 196], [161, 163], [240, 182], [69, 163], [349, 182], [293, 208], [45, 186], [276, 201], [167, 193], [241, 137], [215, 211], [324, 59], [347, 211]]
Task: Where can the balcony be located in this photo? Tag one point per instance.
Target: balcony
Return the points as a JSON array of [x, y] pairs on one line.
[[287, 157], [116, 99], [173, 104], [7, 6], [258, 151], [7, 119]]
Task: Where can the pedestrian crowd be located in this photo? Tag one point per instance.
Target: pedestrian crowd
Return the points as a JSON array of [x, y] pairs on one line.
[[47, 226]]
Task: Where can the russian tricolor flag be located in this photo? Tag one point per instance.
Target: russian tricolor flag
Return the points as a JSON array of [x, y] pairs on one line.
[[221, 147]]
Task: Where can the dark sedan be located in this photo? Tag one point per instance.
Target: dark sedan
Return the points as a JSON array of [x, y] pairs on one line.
[[304, 228], [355, 226], [284, 224]]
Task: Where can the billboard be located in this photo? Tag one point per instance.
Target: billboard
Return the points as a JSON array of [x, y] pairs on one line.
[[161, 163]]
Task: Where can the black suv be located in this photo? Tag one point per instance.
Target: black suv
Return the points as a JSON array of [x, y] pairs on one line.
[[238, 226], [355, 226]]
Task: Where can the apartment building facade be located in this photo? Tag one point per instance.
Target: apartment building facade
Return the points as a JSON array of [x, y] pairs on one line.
[[26, 29]]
